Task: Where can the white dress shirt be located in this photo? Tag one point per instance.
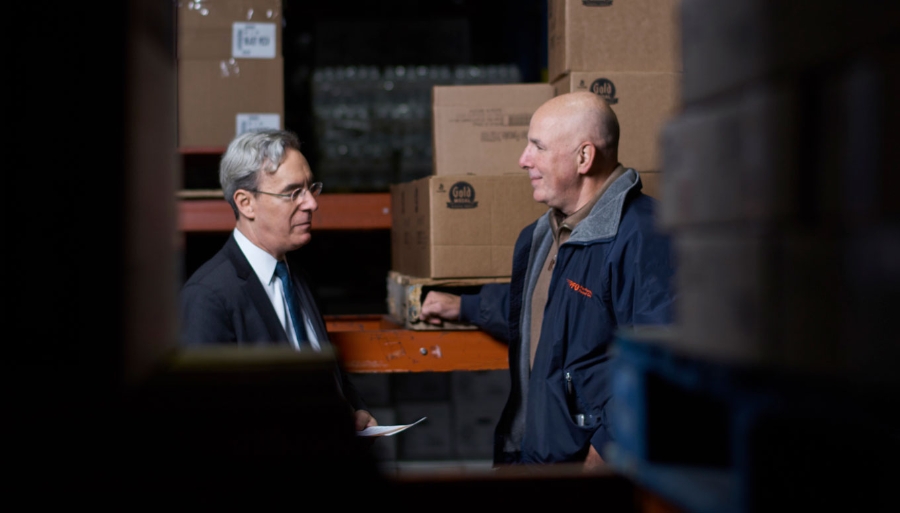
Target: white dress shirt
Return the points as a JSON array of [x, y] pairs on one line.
[[263, 265]]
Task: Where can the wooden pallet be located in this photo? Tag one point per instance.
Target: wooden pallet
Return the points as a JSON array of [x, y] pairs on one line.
[[406, 293]]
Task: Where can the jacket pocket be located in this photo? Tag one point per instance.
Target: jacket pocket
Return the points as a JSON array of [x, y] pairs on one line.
[[578, 413]]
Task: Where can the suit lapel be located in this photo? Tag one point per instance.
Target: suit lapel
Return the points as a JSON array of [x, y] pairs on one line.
[[259, 300]]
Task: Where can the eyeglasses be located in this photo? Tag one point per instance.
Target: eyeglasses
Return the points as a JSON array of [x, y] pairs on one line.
[[314, 188]]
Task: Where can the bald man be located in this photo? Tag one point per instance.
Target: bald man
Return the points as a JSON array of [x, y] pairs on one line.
[[592, 263]]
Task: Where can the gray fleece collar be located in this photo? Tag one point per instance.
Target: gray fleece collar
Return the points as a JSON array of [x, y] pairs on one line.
[[603, 221]]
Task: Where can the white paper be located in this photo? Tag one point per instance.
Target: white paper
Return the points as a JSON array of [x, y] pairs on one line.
[[386, 430]]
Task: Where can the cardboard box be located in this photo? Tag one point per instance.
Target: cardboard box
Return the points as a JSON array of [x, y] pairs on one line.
[[770, 151], [643, 102], [406, 293], [483, 129], [225, 29], [735, 161], [651, 182], [218, 100], [460, 226], [751, 296], [632, 35], [729, 44]]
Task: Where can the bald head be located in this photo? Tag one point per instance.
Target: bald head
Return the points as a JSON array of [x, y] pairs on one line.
[[581, 117], [572, 149]]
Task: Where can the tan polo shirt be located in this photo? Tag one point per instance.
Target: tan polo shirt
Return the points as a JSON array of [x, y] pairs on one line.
[[561, 227]]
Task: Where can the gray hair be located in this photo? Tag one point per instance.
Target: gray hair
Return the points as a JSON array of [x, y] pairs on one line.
[[250, 153]]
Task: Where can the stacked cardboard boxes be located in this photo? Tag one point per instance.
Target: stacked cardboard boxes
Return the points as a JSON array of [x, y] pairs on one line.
[[459, 225], [462, 222], [780, 196], [230, 70], [779, 188], [628, 53]]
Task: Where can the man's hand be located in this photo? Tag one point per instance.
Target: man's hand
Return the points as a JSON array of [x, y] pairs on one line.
[[439, 307], [363, 419], [593, 461]]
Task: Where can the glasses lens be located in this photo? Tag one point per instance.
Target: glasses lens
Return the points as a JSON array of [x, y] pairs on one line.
[[314, 188]]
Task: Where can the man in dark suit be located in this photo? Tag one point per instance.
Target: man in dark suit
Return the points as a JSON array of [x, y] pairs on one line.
[[247, 294]]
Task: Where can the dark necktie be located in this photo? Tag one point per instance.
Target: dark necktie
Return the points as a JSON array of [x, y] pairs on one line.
[[293, 303]]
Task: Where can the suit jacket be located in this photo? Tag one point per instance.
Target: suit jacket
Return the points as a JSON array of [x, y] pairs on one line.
[[223, 302]]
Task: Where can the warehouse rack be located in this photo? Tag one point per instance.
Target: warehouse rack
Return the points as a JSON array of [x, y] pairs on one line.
[[367, 343], [375, 343], [206, 211]]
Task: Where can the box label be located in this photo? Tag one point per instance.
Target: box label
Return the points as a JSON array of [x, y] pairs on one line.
[[251, 122], [605, 88], [253, 40], [462, 195]]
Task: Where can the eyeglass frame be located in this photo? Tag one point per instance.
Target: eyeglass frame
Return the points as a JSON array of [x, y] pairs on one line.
[[314, 188]]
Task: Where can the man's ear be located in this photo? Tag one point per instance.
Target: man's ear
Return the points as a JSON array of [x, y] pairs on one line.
[[246, 203], [587, 152]]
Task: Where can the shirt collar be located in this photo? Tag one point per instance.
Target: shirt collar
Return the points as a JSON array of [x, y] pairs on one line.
[[263, 263]]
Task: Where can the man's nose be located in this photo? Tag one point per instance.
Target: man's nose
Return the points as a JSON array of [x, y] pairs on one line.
[[309, 202], [524, 159]]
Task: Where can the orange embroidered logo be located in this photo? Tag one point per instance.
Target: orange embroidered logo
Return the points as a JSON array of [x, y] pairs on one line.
[[581, 289]]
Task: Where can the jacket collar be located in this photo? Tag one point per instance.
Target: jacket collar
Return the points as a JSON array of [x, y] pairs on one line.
[[603, 221]]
